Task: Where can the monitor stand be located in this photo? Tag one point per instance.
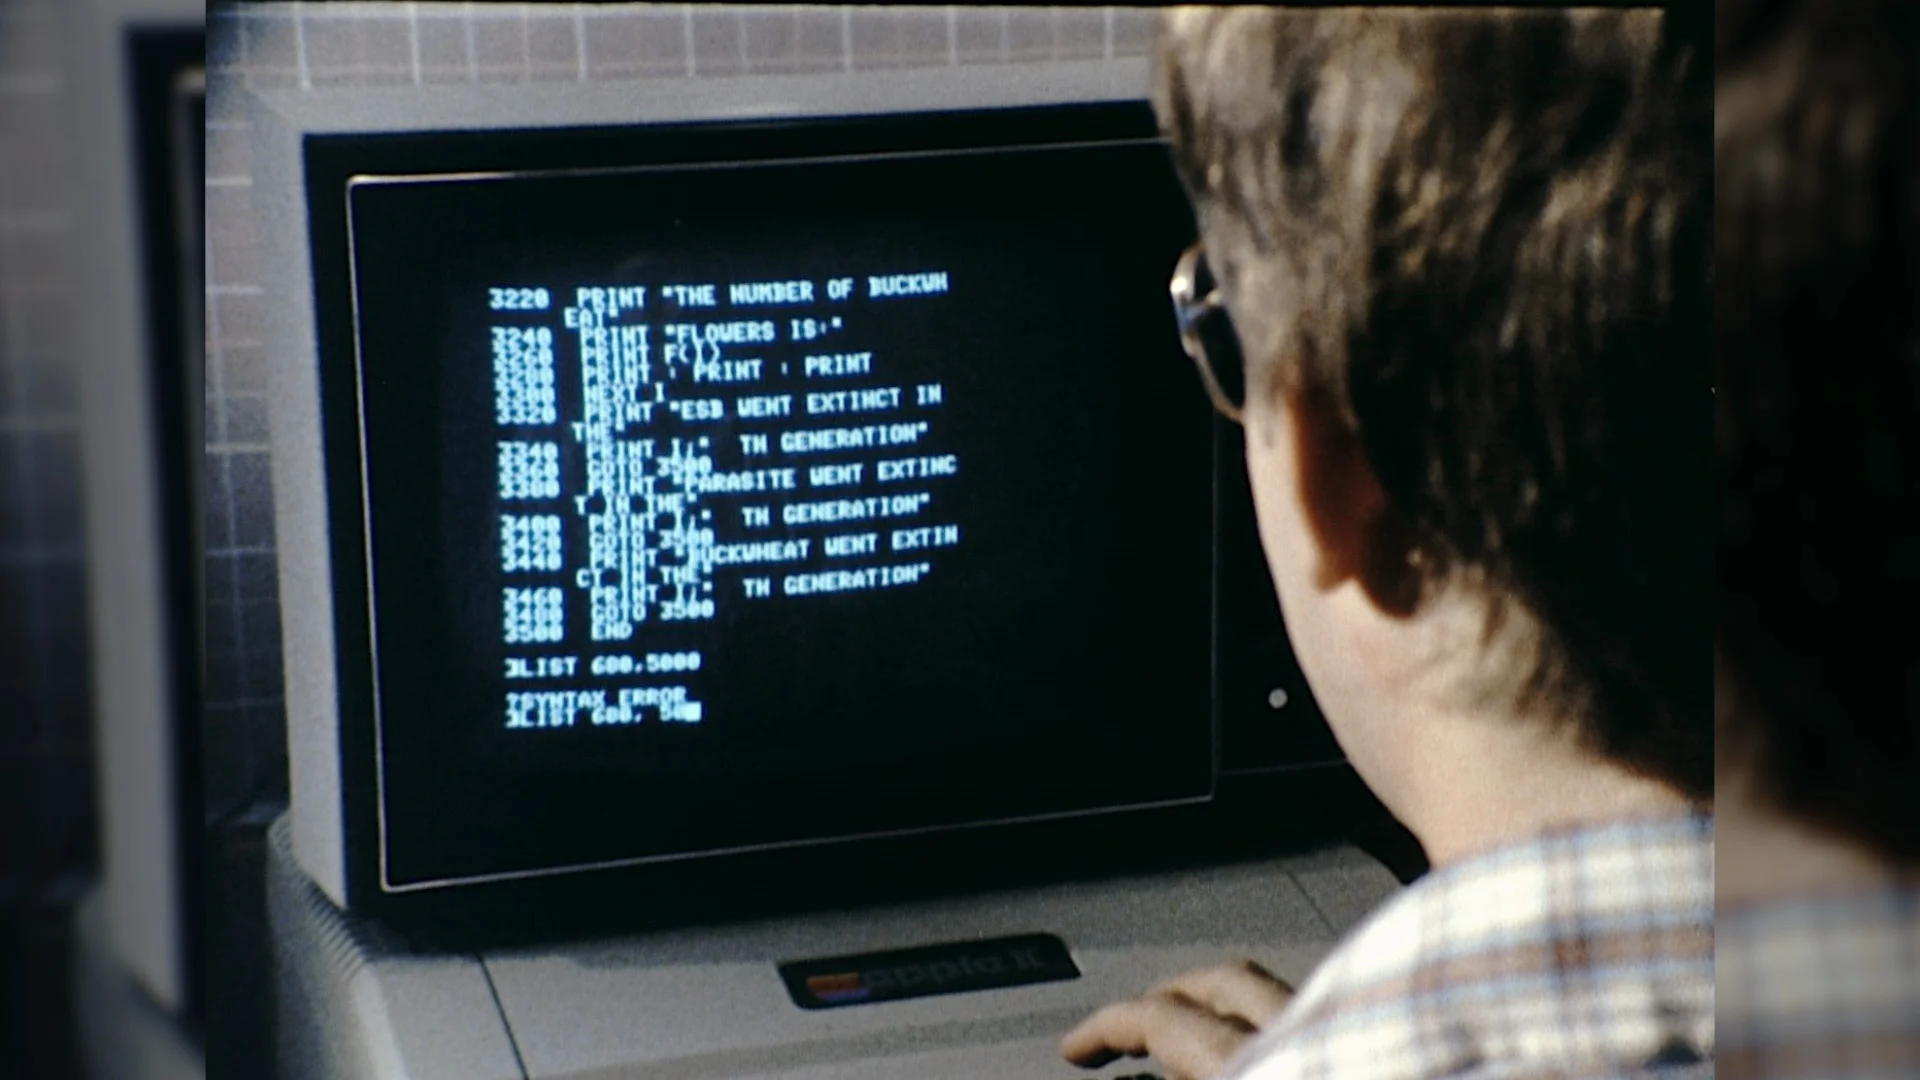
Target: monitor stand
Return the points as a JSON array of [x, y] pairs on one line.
[[707, 1004]]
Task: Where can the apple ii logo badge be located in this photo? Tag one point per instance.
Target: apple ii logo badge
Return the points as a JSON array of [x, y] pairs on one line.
[[957, 968]]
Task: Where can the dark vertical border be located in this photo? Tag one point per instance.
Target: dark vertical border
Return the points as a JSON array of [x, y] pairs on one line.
[[169, 120]]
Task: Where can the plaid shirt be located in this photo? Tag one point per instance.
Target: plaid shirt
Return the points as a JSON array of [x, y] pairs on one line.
[[1823, 986], [1586, 953]]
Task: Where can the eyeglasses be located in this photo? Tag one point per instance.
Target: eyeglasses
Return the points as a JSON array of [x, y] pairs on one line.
[[1206, 334]]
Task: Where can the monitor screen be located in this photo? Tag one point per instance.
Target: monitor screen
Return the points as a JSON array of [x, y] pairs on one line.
[[723, 499]]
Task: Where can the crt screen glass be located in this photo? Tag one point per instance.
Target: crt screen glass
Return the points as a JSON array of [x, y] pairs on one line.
[[713, 507]]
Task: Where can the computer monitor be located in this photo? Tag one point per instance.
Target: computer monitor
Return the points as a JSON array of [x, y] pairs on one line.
[[732, 470]]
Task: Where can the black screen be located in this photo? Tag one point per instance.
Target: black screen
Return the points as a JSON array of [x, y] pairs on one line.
[[714, 506]]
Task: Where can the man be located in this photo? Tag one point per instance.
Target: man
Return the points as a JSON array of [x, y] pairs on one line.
[[1464, 256], [1817, 208]]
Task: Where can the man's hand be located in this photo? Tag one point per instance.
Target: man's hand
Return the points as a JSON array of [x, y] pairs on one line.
[[1193, 1025]]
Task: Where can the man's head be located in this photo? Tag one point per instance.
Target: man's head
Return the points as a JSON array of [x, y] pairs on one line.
[[1817, 225], [1466, 254]]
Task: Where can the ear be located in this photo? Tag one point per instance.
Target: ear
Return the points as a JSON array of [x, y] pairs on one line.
[[1357, 534]]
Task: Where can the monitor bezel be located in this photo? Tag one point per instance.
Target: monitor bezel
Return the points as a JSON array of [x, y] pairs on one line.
[[1273, 794], [335, 164]]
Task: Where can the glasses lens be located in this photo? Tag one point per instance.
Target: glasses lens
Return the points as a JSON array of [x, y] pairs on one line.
[[1220, 345]]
